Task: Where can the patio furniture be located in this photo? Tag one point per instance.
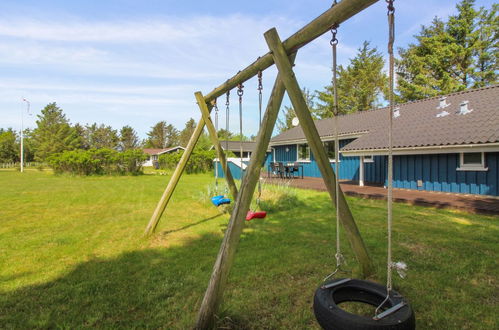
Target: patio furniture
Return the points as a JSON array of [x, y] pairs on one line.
[[295, 168], [283, 170]]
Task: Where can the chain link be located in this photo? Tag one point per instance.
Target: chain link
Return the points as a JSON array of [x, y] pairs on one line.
[[390, 263]]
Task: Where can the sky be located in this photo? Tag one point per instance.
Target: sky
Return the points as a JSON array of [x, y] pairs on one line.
[[138, 62]]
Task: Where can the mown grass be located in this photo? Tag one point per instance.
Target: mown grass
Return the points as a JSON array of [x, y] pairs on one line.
[[72, 255]]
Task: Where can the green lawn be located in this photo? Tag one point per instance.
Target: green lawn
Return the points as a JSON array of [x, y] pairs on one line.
[[72, 255]]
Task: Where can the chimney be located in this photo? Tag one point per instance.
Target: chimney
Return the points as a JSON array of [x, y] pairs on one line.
[[396, 112], [443, 103], [463, 108]]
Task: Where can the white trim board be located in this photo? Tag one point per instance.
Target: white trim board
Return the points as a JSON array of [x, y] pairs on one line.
[[490, 147]]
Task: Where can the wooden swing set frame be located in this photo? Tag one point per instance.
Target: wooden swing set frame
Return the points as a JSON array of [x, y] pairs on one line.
[[282, 54]]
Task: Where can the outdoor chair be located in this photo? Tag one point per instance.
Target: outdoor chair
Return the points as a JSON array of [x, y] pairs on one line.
[[283, 172], [294, 169]]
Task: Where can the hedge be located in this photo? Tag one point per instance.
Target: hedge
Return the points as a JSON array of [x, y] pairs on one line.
[[98, 161], [201, 161]]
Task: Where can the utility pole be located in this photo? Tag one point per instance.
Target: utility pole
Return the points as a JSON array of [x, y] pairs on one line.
[[22, 134]]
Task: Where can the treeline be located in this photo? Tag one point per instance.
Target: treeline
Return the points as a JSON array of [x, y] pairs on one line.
[[100, 149], [447, 56]]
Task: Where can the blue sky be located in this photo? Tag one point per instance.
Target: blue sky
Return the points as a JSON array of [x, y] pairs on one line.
[[133, 62]]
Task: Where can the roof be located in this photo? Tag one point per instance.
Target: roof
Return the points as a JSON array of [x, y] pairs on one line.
[[153, 151], [418, 124], [248, 146]]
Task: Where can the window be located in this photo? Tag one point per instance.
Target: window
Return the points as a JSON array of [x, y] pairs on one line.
[[329, 146], [369, 159], [303, 151], [472, 161]]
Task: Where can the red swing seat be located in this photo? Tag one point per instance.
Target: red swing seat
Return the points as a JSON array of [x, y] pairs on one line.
[[255, 214]]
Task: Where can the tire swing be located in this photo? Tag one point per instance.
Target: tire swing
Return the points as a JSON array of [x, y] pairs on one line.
[[219, 200], [392, 311], [253, 213]]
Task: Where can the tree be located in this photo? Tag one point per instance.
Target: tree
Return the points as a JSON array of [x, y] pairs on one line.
[[187, 132], [360, 85], [162, 136], [53, 133], [486, 49], [451, 56], [224, 134], [101, 136], [128, 138], [285, 123], [8, 146]]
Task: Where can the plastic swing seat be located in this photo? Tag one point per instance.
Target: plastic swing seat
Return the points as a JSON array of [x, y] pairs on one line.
[[253, 215], [220, 200]]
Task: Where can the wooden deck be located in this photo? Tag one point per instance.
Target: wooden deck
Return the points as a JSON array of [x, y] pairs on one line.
[[469, 203]]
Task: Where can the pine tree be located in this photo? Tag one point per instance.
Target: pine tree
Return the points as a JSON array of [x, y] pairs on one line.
[[53, 133], [162, 136], [187, 132], [8, 146], [360, 85], [128, 138], [486, 49], [101, 136], [451, 56]]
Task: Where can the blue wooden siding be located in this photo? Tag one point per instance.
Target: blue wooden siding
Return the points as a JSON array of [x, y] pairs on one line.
[[236, 170], [375, 172], [438, 172]]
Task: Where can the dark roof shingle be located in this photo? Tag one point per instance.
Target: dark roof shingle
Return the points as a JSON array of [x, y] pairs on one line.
[[417, 125]]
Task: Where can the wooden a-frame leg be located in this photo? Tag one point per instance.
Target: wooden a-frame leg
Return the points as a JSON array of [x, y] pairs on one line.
[[214, 139], [214, 292], [172, 184], [295, 94]]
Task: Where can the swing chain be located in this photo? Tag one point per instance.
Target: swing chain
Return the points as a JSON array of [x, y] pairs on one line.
[[334, 31], [227, 113], [216, 130], [399, 266], [240, 93], [260, 89]]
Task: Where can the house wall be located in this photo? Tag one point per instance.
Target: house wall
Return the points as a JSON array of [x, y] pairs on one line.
[[438, 172], [349, 166], [236, 170]]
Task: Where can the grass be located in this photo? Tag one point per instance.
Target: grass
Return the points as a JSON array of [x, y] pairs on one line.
[[72, 255]]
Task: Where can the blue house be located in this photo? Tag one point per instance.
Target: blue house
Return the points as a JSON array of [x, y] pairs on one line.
[[448, 144]]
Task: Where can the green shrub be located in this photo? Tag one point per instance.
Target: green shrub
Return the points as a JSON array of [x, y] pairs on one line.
[[98, 161], [201, 161]]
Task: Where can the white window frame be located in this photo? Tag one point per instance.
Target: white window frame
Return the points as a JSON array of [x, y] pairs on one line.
[[298, 159], [472, 167], [331, 160], [368, 160]]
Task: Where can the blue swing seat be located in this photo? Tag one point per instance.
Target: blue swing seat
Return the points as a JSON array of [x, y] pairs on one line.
[[220, 200]]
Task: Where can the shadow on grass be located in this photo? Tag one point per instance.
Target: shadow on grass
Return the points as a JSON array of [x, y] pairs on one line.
[[165, 233]]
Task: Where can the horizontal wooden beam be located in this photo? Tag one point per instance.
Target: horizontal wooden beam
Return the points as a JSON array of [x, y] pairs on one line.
[[335, 15]]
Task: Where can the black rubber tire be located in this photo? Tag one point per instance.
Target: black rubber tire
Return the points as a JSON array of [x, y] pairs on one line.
[[331, 317]]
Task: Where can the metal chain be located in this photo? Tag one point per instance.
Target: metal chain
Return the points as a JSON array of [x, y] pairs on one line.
[[334, 42], [227, 113], [260, 99], [218, 160], [240, 93], [391, 40]]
